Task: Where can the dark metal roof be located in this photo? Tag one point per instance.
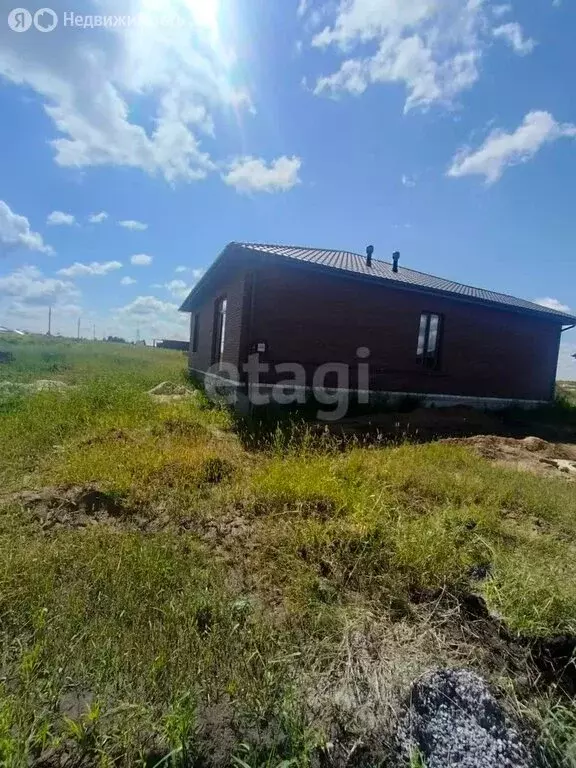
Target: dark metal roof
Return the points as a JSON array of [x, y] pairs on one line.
[[409, 278]]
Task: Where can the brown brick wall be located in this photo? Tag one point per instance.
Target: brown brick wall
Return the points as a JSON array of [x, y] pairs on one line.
[[312, 318], [233, 289]]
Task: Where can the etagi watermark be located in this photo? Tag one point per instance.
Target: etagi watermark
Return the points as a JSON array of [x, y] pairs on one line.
[[46, 20], [222, 382]]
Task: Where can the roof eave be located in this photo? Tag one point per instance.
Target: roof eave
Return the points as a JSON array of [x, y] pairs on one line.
[[567, 320], [188, 301], [557, 317], [403, 286]]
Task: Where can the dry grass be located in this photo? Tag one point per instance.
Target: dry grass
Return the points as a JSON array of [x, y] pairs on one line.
[[251, 606]]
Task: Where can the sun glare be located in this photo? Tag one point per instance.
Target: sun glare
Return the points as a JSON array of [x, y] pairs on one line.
[[205, 13]]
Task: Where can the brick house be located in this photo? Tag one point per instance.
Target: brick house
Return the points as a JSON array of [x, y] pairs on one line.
[[419, 334]]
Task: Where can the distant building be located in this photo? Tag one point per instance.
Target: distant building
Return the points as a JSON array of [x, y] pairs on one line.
[[181, 346]]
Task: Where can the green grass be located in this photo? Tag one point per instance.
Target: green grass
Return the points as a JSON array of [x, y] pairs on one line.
[[73, 362], [232, 610], [567, 391], [143, 630]]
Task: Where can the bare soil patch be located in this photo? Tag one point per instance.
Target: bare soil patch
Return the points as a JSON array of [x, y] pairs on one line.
[[69, 507], [535, 663], [530, 454], [82, 506]]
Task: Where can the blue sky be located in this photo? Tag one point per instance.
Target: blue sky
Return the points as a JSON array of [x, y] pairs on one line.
[[131, 154]]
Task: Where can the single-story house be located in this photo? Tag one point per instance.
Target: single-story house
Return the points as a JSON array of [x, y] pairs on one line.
[[398, 331]]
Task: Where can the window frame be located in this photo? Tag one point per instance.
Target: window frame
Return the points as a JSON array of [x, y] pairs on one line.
[[219, 336], [195, 332], [430, 359]]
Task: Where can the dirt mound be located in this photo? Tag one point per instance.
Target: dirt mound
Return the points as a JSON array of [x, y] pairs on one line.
[[171, 389], [70, 507], [41, 385], [530, 453], [11, 388], [78, 507]]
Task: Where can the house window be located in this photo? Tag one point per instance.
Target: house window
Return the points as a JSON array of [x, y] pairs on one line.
[[195, 332], [219, 329], [429, 339]]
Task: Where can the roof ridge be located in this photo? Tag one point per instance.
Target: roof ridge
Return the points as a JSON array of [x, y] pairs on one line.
[[403, 269], [305, 248], [406, 276]]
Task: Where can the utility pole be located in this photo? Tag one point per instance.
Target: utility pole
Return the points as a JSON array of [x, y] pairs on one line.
[[50, 320], [94, 332], [79, 329]]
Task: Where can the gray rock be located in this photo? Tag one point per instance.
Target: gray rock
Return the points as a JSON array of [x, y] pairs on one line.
[[453, 721]]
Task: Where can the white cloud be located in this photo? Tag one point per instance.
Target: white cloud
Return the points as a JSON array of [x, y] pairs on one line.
[[127, 281], [302, 8], [152, 318], [15, 233], [88, 81], [196, 273], [177, 288], [57, 218], [501, 10], [408, 181], [135, 226], [551, 303], [27, 286], [98, 218], [432, 47], [241, 99], [251, 174], [144, 306], [141, 260], [513, 35], [26, 294], [502, 150], [90, 270]]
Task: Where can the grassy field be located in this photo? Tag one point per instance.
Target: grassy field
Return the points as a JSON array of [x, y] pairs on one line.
[[169, 596]]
